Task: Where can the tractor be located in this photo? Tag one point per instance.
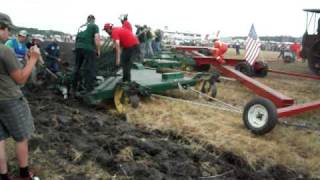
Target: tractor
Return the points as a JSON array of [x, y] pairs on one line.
[[311, 40]]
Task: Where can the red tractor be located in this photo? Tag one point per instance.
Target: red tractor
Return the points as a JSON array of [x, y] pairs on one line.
[[311, 40]]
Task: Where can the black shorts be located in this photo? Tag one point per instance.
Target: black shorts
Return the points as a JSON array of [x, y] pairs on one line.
[[16, 120]]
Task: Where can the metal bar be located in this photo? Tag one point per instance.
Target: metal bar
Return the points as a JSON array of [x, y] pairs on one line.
[[295, 74], [296, 109], [192, 48], [196, 53], [277, 98], [201, 60]]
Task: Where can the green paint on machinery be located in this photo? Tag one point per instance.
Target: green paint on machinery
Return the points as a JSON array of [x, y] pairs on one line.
[[145, 81], [169, 59], [149, 81]]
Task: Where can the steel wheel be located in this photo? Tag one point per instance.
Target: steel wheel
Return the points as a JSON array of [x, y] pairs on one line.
[[261, 69], [134, 101], [245, 68], [199, 85], [186, 67], [314, 58], [121, 100]]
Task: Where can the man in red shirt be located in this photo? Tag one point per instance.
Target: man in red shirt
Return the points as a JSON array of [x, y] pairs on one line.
[[295, 49], [125, 23], [125, 39], [219, 49]]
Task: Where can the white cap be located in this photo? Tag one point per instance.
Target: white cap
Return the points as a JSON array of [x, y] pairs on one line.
[[23, 33]]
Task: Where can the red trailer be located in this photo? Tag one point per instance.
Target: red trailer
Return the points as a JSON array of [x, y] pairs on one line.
[[260, 114]]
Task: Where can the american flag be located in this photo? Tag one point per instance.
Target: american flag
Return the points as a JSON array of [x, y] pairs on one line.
[[252, 46]]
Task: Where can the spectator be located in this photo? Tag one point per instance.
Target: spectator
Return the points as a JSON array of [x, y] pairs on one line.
[[16, 120], [141, 34], [237, 46], [158, 39], [18, 45], [295, 50], [53, 56], [149, 37], [282, 50]]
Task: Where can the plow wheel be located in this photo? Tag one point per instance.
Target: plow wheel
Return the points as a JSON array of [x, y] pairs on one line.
[[121, 100], [314, 58], [245, 68], [261, 69], [186, 67], [207, 88], [260, 116]]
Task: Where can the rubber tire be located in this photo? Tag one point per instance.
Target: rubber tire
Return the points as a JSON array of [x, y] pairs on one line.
[[263, 71], [134, 101], [272, 116], [245, 68]]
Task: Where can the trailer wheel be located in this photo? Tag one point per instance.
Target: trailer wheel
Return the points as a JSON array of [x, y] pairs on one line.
[[121, 100], [260, 116], [314, 58], [261, 69], [245, 68]]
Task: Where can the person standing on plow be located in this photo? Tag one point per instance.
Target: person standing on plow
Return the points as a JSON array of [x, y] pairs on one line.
[[219, 49], [87, 48], [125, 39], [16, 120]]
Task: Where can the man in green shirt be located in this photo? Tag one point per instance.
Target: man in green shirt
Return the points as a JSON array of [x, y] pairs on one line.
[[15, 117], [87, 48]]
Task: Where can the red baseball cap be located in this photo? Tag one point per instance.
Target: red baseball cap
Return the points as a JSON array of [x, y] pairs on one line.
[[107, 26]]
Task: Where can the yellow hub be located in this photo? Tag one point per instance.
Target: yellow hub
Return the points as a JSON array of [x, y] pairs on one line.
[[121, 100]]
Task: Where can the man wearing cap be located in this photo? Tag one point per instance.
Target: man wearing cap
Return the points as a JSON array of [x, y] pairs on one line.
[[15, 117], [87, 48], [125, 39], [18, 45]]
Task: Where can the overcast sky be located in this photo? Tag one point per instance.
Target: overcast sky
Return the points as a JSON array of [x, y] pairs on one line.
[[231, 17]]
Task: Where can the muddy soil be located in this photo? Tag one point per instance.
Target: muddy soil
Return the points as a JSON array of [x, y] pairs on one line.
[[68, 132], [71, 134]]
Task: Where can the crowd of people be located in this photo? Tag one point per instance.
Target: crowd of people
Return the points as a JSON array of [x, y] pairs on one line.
[[21, 56]]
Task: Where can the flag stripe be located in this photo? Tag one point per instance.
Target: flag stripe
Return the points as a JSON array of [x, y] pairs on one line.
[[253, 53], [252, 46]]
